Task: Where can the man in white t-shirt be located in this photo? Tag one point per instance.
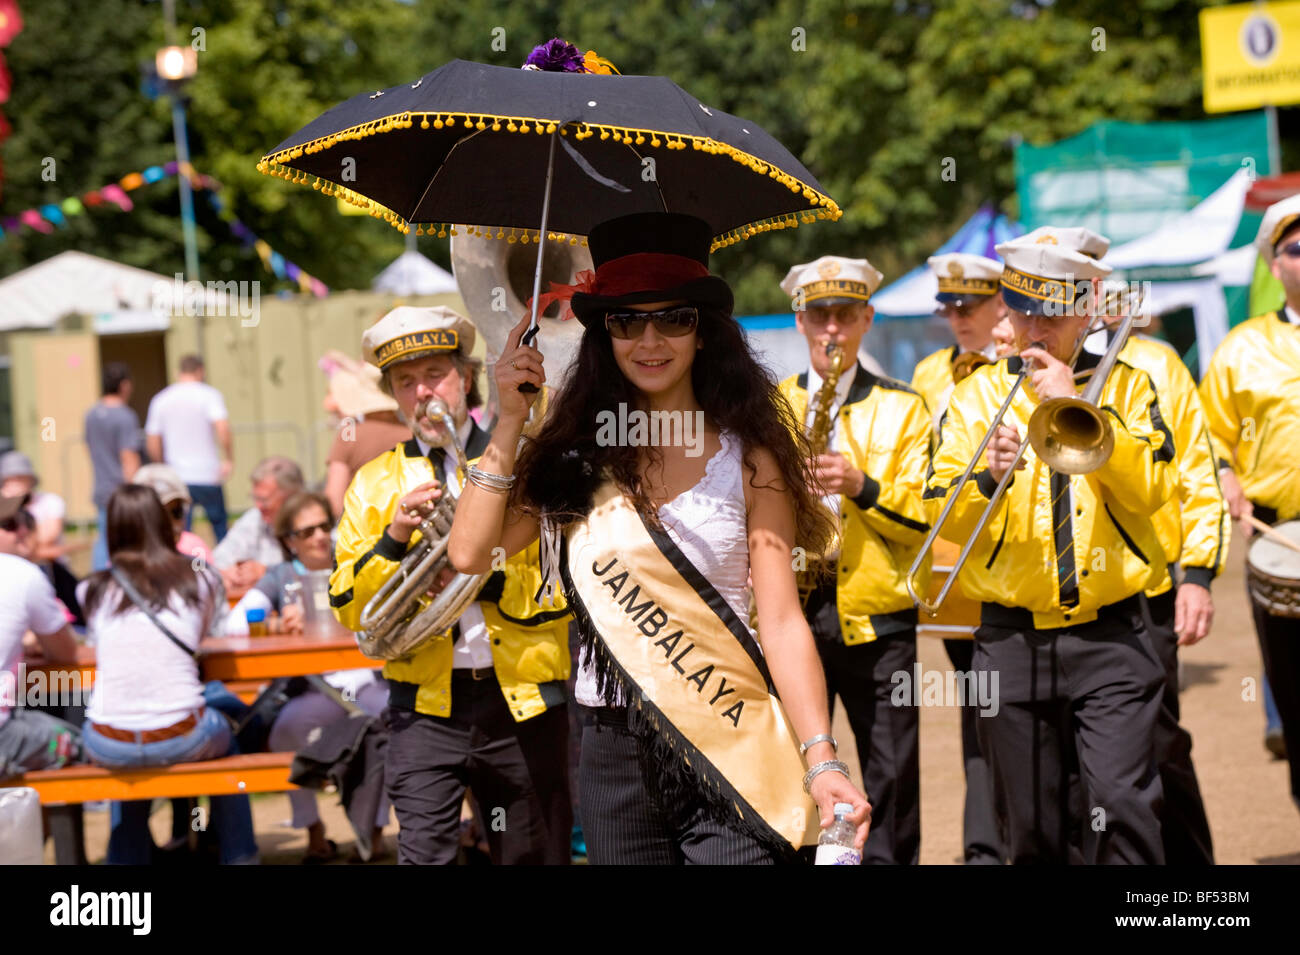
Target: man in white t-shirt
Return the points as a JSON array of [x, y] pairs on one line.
[[29, 739], [188, 429]]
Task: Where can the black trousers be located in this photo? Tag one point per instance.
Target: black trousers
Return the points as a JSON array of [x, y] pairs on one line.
[[1094, 691], [1279, 644], [888, 736], [982, 836], [628, 820], [1184, 830], [518, 773]]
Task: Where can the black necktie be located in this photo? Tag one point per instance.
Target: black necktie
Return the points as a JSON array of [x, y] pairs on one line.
[[437, 457]]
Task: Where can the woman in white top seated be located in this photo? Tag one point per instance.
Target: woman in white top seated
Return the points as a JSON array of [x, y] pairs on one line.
[[303, 527], [147, 708], [668, 472]]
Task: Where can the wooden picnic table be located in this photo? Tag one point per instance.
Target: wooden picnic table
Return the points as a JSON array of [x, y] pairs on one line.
[[247, 658]]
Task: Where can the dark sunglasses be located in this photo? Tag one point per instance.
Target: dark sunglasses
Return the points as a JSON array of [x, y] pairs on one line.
[[176, 510], [669, 322], [11, 525], [1291, 249], [302, 533]]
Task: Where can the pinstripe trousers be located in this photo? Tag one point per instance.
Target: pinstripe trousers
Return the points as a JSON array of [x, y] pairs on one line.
[[627, 820]]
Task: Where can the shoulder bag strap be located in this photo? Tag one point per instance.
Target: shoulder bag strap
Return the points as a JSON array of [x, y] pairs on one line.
[[139, 601]]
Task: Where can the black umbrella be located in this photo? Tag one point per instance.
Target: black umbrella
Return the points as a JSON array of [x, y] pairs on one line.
[[468, 143]]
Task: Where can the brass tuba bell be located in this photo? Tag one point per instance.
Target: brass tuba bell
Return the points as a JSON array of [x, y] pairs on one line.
[[496, 279]]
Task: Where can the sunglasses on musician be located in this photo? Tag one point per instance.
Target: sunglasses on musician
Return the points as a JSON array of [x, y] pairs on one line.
[[1291, 250], [176, 510], [669, 322]]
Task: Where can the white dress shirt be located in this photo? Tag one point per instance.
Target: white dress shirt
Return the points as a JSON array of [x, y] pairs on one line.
[[472, 649]]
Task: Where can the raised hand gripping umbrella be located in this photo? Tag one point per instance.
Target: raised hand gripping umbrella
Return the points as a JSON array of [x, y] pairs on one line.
[[476, 144]]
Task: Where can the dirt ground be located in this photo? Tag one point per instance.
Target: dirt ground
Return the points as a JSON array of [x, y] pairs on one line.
[[1245, 790]]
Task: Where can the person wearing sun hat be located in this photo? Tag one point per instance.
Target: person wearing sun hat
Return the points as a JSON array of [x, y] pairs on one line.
[[368, 422], [1068, 647], [688, 754], [869, 474], [1252, 405], [482, 706]]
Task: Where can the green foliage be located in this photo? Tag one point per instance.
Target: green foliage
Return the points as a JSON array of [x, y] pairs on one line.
[[881, 92]]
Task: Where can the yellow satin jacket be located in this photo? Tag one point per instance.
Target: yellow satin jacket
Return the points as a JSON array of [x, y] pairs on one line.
[[884, 429], [530, 644], [933, 376], [1194, 527], [1251, 395], [1060, 546]]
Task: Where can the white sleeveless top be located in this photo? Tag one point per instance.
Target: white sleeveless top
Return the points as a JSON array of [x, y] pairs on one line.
[[708, 523]]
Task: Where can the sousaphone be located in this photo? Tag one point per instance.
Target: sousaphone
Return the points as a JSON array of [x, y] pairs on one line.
[[496, 279]]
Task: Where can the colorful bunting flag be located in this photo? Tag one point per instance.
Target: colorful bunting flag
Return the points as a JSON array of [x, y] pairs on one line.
[[45, 218]]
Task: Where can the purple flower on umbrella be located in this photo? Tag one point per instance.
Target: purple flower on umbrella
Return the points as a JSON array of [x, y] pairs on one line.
[[556, 56]]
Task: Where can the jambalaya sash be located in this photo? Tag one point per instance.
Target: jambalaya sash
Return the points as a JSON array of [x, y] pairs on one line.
[[693, 676]]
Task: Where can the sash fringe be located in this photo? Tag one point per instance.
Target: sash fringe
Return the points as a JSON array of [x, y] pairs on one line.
[[679, 769]]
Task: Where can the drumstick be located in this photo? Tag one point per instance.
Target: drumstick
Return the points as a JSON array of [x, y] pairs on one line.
[[1271, 534]]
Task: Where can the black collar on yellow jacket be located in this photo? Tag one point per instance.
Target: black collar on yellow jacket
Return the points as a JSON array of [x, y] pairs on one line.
[[474, 447]]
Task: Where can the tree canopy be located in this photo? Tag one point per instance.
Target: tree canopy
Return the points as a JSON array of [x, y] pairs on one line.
[[878, 97]]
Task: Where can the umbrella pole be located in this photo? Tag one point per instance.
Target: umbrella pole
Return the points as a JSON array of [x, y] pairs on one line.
[[533, 327]]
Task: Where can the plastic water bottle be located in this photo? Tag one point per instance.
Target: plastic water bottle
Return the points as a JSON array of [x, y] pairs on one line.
[[835, 845]]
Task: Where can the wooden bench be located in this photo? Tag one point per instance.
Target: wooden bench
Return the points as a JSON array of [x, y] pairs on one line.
[[228, 776]]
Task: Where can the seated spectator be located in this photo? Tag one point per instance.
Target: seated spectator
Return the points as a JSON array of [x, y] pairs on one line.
[[148, 708], [303, 527], [29, 740], [18, 479], [175, 497], [55, 571], [251, 546]]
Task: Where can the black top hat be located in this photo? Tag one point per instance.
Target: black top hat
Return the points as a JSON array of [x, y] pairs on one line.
[[633, 283]]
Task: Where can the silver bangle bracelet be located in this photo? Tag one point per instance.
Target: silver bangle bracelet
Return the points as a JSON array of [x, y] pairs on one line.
[[819, 738], [826, 766], [493, 483]]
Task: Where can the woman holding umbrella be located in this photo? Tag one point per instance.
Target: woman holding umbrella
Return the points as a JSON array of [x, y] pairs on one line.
[[696, 725]]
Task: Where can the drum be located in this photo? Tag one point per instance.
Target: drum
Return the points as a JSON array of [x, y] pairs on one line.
[[1273, 572], [959, 615]]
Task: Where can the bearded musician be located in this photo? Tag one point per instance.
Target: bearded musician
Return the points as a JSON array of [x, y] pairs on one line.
[[482, 706]]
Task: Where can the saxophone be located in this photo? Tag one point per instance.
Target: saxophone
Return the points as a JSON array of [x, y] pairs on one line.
[[819, 434]]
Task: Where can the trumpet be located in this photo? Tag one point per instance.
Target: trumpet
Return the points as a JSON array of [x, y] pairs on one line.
[[1070, 435], [400, 619]]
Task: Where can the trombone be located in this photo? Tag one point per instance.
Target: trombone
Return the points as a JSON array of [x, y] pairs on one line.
[[1070, 435]]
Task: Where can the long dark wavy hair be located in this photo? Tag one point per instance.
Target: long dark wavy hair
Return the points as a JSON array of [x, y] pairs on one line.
[[560, 468], [142, 545]]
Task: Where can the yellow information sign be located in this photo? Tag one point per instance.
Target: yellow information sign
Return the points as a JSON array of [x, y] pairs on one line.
[[1250, 56]]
